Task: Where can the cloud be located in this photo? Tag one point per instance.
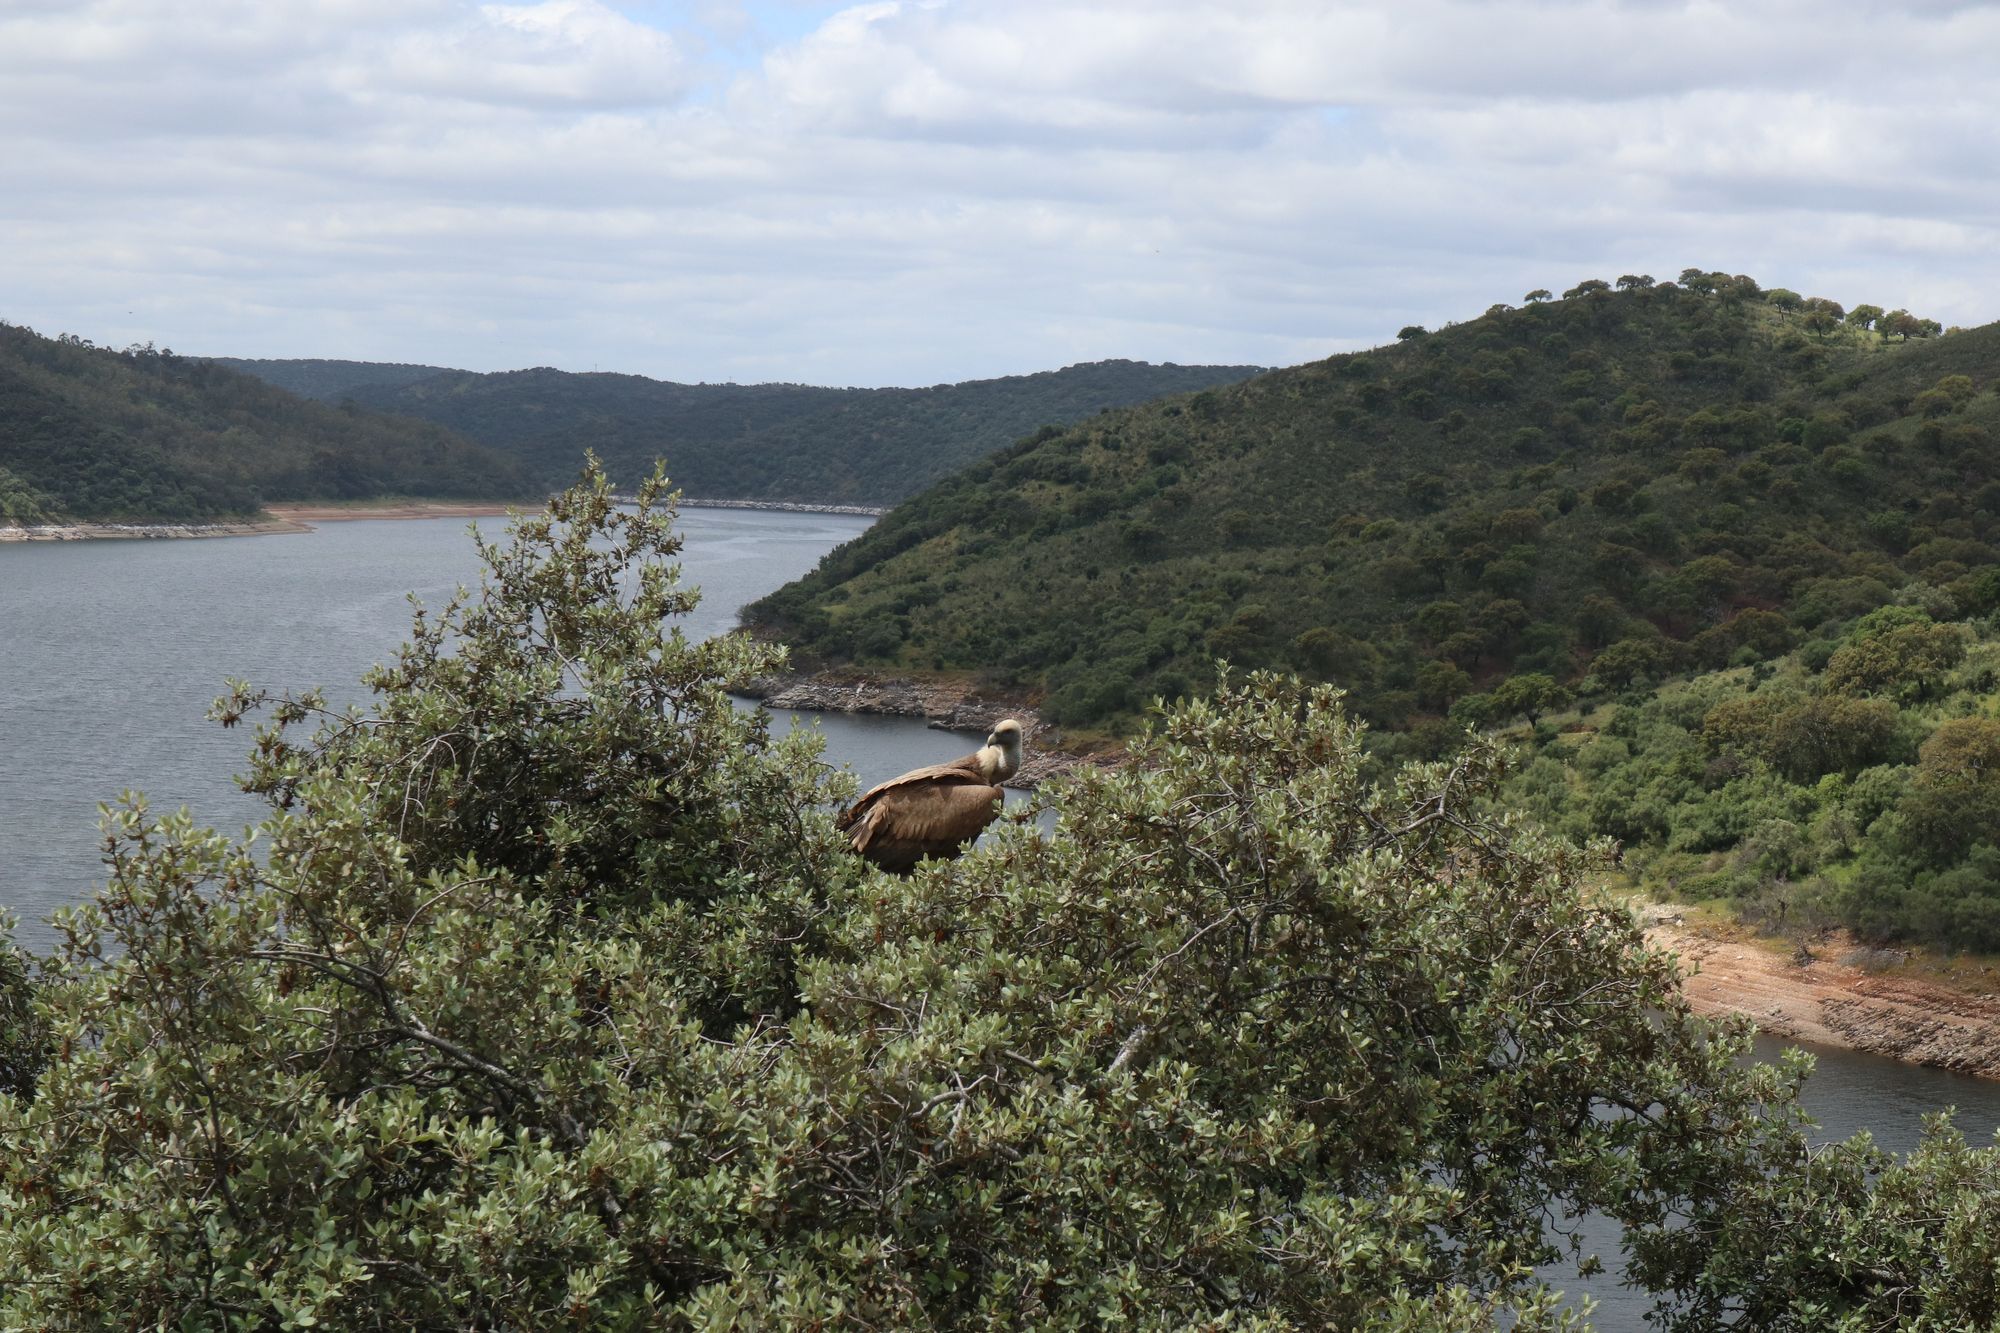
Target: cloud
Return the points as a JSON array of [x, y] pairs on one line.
[[558, 53], [907, 192]]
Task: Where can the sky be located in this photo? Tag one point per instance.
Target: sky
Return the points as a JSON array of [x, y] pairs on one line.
[[924, 191]]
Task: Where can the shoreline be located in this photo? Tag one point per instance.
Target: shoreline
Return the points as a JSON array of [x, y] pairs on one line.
[[781, 506], [1831, 995], [296, 518], [81, 532], [308, 514], [944, 705], [283, 519]]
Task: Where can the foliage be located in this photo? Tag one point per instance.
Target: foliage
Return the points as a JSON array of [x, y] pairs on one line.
[[1836, 1239], [1610, 488], [328, 381], [421, 1064], [1907, 660], [788, 442], [23, 1036], [556, 1002], [90, 433], [1777, 787], [1953, 800]]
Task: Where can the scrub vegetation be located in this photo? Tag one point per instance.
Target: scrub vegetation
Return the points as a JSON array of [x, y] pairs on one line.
[[1853, 782], [553, 1000]]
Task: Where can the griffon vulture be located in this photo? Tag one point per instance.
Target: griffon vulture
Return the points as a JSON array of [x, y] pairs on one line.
[[934, 811]]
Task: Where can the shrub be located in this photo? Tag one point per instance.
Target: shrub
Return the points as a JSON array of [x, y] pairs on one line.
[[558, 1002], [23, 1036]]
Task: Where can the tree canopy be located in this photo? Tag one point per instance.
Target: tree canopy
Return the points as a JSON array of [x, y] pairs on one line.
[[555, 1001]]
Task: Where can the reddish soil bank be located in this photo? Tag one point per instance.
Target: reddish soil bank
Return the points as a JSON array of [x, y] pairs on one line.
[[1823, 996]]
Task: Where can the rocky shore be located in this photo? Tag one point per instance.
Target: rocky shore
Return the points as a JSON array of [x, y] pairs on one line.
[[945, 705], [783, 506], [1834, 992], [79, 532]]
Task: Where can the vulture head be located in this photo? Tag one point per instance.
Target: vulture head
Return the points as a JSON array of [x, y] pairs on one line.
[[1001, 757]]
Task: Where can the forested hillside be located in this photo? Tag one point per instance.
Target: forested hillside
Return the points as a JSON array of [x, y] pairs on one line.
[[327, 380], [91, 433], [1563, 504], [1598, 489], [788, 442]]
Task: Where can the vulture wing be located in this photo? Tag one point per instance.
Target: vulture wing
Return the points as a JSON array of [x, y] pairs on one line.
[[912, 820], [931, 811], [957, 772]]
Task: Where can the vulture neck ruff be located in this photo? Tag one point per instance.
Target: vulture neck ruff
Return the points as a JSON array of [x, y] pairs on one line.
[[999, 761]]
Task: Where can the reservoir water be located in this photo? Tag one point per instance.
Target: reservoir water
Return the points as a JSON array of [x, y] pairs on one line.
[[110, 653]]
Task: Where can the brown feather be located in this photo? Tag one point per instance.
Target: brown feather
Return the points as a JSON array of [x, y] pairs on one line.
[[902, 826], [957, 771], [952, 813], [933, 811]]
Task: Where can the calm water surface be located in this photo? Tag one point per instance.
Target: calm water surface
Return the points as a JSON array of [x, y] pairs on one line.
[[110, 653]]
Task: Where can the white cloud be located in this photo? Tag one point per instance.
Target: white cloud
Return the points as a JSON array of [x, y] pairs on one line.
[[557, 53], [910, 192]]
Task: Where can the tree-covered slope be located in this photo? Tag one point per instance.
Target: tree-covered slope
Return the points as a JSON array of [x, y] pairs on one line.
[[90, 433], [788, 442], [1854, 781], [1579, 494], [548, 419], [328, 380]]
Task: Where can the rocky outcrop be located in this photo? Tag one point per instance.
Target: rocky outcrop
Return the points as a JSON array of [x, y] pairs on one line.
[[945, 705], [1835, 994]]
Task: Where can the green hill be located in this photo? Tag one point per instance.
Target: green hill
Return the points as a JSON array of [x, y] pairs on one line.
[[1753, 544], [91, 433], [1595, 491], [328, 381], [788, 442]]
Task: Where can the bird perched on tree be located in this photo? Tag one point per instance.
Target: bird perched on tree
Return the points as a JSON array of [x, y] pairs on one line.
[[934, 811]]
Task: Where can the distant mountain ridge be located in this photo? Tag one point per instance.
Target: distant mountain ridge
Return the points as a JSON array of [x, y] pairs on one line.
[[773, 442], [328, 380], [143, 435]]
